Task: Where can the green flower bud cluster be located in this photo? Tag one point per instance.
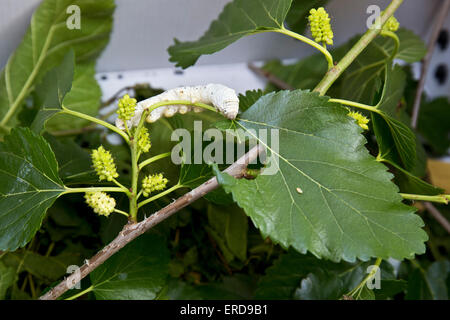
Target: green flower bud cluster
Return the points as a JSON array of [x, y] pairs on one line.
[[101, 203], [153, 183], [104, 164], [361, 120], [319, 22], [126, 108], [391, 24], [143, 141]]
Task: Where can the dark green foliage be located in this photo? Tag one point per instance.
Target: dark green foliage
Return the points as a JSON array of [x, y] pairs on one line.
[[312, 230]]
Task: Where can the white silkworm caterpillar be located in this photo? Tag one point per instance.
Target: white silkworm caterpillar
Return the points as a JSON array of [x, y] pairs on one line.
[[222, 98]]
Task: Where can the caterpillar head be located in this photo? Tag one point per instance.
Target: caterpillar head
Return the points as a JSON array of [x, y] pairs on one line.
[[224, 99]]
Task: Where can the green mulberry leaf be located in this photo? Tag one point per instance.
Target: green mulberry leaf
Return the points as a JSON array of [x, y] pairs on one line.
[[409, 183], [138, 271], [434, 125], [7, 278], [285, 275], [363, 78], [396, 141], [248, 99], [321, 285], [231, 226], [430, 284], [52, 91], [84, 97], [239, 18], [348, 207], [45, 44], [30, 185]]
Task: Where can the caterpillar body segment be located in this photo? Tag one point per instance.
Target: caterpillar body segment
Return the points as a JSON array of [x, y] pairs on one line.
[[222, 98]]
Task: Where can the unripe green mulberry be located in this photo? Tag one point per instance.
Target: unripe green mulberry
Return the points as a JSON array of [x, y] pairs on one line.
[[319, 22], [153, 183], [127, 107], [104, 164], [144, 142], [101, 203]]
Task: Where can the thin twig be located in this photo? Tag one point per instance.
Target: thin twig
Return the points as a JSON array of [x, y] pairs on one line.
[[117, 95], [73, 132], [270, 77], [438, 216], [93, 126], [88, 128], [439, 22], [132, 231]]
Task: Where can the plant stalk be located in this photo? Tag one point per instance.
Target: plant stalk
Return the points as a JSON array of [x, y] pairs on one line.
[[153, 159], [79, 294], [356, 105], [101, 122], [440, 198], [93, 189], [134, 181], [159, 195], [394, 37], [312, 43]]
